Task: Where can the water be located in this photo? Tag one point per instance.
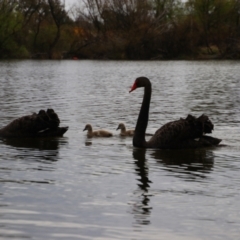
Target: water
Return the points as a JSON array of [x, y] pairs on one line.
[[79, 188]]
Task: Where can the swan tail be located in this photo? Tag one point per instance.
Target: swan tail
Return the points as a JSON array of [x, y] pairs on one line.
[[57, 132], [204, 141]]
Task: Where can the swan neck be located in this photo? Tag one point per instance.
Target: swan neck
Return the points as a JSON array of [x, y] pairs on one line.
[[142, 122], [123, 130]]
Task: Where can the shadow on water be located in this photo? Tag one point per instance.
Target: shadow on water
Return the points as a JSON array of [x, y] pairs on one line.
[[42, 149], [189, 164]]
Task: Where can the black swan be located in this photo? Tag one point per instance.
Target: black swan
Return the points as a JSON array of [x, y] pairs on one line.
[[124, 131], [41, 124], [97, 133], [183, 133]]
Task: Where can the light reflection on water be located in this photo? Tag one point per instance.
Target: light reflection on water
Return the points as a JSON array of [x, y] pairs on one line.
[[79, 188]]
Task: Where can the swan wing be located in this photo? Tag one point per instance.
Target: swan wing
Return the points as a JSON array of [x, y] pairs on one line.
[[178, 132], [45, 123]]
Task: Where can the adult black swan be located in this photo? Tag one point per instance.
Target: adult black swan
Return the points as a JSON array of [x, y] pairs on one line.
[[183, 133], [41, 124]]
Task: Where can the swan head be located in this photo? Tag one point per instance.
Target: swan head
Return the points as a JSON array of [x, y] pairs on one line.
[[121, 126], [88, 127], [140, 82]]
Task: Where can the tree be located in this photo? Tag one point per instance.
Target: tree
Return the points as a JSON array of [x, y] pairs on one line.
[[10, 26], [59, 16], [43, 25], [129, 29]]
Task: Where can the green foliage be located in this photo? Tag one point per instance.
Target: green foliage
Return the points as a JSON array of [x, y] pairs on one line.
[[10, 30]]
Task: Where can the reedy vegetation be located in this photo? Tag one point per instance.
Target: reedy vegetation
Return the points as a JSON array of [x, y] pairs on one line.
[[120, 29]]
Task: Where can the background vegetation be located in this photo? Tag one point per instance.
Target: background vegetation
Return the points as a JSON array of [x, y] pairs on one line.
[[120, 29]]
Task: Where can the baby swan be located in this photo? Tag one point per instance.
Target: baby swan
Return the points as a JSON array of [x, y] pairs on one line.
[[97, 133], [125, 132]]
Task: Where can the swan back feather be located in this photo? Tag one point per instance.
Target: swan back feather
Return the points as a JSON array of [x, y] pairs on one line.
[[183, 132]]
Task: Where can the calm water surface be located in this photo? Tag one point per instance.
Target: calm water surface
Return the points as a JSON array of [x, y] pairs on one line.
[[78, 188]]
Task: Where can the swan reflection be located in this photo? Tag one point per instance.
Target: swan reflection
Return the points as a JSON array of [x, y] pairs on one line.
[[141, 209], [35, 143], [193, 163]]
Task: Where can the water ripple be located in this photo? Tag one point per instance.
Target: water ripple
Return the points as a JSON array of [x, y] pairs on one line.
[[80, 188]]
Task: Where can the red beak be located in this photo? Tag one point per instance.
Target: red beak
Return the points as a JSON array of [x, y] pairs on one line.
[[134, 86]]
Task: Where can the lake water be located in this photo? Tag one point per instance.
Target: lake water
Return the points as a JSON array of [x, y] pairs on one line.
[[79, 188]]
